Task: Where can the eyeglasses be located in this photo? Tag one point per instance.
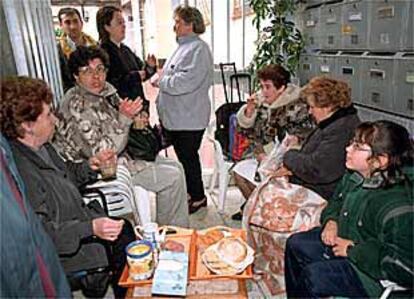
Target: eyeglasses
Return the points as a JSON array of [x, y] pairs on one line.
[[357, 146], [88, 71]]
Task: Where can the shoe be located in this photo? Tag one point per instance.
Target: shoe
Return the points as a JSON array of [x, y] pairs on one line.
[[194, 206], [238, 216]]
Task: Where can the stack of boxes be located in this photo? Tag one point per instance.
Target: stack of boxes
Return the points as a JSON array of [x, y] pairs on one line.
[[366, 43]]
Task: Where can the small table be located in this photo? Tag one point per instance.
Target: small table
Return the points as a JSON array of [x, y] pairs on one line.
[[202, 284]]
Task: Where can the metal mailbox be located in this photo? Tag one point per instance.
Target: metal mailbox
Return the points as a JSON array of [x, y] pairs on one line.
[[378, 77], [349, 69], [389, 24], [311, 27], [325, 63], [331, 20], [307, 68], [404, 84], [355, 25]]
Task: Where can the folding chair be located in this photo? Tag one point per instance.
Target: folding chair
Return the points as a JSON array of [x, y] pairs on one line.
[[389, 288]]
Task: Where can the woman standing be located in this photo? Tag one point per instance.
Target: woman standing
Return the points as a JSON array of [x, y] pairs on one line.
[[126, 71], [183, 103], [366, 234]]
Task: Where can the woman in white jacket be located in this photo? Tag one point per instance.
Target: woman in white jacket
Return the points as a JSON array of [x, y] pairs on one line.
[[183, 102]]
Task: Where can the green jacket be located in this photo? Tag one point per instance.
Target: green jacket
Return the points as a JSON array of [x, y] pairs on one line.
[[380, 221]]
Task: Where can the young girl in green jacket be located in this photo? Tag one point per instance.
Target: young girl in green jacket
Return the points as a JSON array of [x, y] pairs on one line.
[[367, 227]]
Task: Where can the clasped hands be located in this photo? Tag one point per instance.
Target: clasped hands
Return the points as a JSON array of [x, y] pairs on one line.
[[330, 237]]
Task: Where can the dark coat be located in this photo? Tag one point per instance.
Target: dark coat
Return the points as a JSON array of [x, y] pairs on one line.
[[55, 198], [123, 71], [23, 240], [320, 163]]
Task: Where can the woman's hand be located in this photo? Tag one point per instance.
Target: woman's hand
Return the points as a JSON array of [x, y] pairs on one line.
[[282, 171], [107, 228], [151, 60], [341, 246], [251, 106], [291, 141], [260, 157], [130, 108], [330, 233], [100, 158]]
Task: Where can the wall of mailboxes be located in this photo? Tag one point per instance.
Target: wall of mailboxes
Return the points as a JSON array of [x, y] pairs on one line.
[[368, 43]]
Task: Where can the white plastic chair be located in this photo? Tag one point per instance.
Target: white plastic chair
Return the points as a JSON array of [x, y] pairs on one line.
[[221, 169], [389, 288], [120, 195]]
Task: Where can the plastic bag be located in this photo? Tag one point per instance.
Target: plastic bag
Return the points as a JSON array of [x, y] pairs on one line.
[[275, 158]]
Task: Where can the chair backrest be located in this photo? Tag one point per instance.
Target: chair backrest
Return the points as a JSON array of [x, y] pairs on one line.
[[119, 194]]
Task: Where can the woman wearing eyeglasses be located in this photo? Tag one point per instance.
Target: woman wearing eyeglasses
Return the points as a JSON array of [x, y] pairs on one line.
[[93, 117], [367, 227]]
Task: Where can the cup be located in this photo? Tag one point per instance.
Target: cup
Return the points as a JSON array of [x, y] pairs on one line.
[[140, 259], [108, 169], [150, 232]]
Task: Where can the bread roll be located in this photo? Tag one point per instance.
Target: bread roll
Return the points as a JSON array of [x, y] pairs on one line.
[[232, 250]]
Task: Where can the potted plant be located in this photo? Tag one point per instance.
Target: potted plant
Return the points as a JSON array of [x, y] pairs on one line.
[[279, 40]]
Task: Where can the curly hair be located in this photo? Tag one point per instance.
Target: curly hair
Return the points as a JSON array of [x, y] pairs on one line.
[[324, 92], [387, 138], [22, 100], [104, 17], [82, 55], [276, 73], [191, 15]]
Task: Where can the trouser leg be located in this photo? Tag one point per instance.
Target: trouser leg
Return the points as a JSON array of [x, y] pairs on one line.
[[334, 277], [312, 271], [186, 145], [301, 250], [166, 178], [246, 187]]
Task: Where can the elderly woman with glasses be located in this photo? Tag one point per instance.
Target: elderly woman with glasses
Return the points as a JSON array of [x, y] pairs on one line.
[[93, 117], [367, 228]]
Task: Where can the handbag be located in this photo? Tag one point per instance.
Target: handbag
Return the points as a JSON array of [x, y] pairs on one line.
[[143, 144]]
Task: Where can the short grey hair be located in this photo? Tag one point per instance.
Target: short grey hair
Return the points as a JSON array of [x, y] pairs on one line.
[[191, 15]]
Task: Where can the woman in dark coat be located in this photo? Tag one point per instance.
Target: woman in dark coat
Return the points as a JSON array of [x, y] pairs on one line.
[[320, 163], [126, 70], [81, 234]]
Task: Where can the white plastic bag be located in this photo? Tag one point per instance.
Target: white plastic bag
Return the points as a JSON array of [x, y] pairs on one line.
[[274, 159]]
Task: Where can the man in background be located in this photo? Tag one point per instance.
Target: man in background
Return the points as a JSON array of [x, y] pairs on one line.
[[71, 23]]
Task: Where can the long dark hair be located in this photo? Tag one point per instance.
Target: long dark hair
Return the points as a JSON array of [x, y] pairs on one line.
[[104, 17], [391, 139]]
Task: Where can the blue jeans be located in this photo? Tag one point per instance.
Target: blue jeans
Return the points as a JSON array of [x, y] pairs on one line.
[[312, 270]]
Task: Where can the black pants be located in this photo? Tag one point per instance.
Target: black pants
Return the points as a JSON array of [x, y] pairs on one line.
[[312, 270], [186, 145], [94, 283]]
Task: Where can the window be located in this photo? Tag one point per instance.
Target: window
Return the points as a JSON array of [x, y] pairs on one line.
[[237, 9]]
